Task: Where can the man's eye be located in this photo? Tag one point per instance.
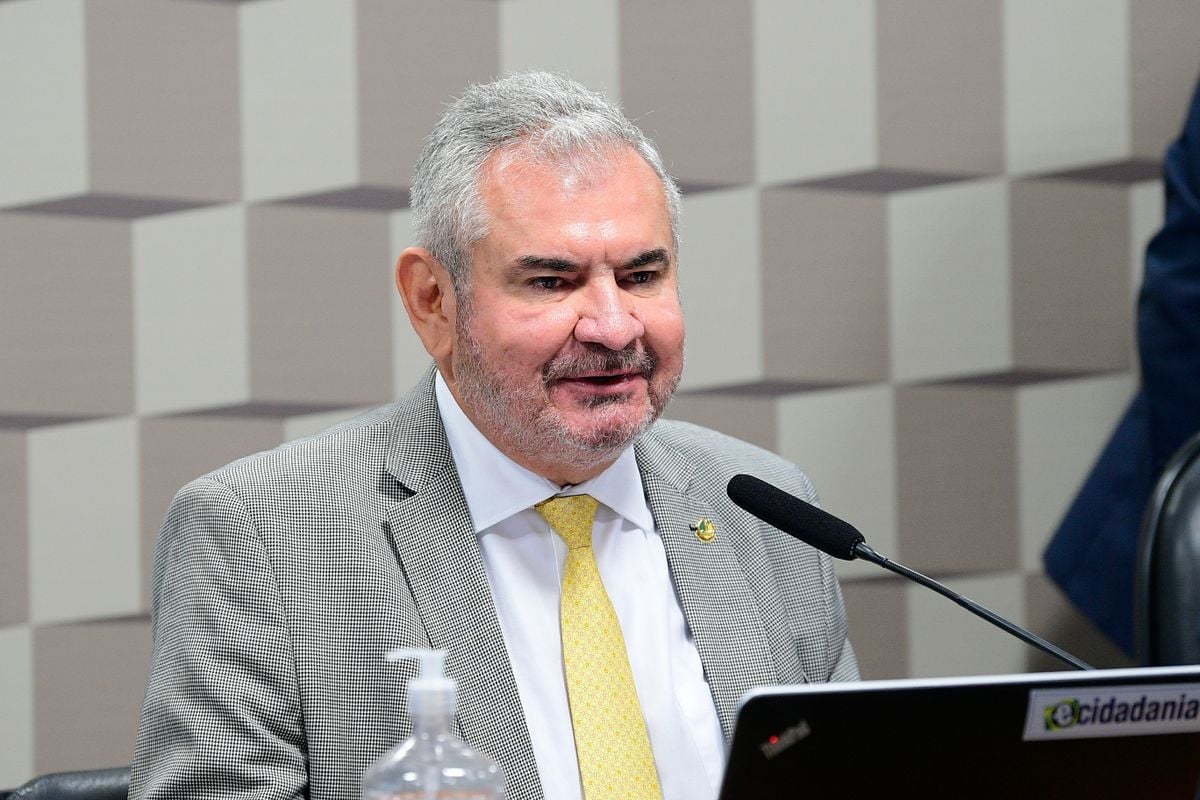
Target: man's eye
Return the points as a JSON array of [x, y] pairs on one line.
[[547, 282], [646, 276]]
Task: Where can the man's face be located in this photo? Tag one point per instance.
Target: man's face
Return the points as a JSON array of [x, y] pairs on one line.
[[570, 336]]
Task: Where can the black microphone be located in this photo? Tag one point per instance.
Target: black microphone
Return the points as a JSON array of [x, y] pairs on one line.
[[840, 539]]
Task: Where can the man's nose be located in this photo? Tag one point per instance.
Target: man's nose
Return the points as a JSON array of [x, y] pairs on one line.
[[606, 316]]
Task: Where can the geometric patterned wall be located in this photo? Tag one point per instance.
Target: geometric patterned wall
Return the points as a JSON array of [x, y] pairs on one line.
[[912, 236]]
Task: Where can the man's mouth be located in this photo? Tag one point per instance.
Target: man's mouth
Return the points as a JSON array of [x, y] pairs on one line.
[[604, 387], [611, 379], [601, 368]]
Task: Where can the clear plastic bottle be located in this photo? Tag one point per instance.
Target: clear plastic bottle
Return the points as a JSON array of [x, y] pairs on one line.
[[433, 764]]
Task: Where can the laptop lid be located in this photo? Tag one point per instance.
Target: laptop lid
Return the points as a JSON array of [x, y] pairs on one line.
[[1128, 733]]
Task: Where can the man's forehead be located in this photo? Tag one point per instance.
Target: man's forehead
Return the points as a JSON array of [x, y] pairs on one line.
[[577, 167], [539, 212]]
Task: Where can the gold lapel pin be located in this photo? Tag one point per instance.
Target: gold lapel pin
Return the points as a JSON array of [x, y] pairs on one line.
[[705, 530]]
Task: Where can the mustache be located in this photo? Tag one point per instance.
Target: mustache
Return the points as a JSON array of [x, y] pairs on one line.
[[598, 358]]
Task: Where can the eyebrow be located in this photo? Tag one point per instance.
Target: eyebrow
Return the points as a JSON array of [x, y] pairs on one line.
[[547, 263], [658, 255]]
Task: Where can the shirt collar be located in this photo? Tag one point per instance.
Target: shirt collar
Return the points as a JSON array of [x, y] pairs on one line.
[[496, 487]]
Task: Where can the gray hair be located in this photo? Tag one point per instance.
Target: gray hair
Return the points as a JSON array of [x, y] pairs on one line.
[[556, 116]]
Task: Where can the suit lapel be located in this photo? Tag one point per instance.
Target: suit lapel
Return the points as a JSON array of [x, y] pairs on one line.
[[725, 610], [439, 554], [725, 586]]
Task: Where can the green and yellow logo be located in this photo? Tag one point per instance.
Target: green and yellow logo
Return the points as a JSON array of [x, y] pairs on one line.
[[1061, 715]]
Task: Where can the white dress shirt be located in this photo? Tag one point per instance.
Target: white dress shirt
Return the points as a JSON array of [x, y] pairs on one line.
[[524, 561]]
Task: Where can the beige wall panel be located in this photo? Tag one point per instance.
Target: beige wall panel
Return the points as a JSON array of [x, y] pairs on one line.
[[944, 639], [948, 269], [190, 310], [578, 38], [84, 548], [681, 61], [1165, 64], [66, 316], [16, 706], [299, 97], [413, 55], [877, 613], [1071, 304], [1146, 207], [845, 439], [319, 329], [310, 424], [825, 287], [748, 417], [956, 478], [14, 530], [720, 280], [162, 99], [814, 88], [43, 83], [88, 687], [941, 86], [1050, 615], [1061, 428], [175, 450], [1066, 83]]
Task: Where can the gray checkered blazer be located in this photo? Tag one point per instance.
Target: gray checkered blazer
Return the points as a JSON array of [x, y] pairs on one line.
[[281, 579]]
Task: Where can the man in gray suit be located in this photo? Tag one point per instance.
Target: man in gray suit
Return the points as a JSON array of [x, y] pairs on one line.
[[544, 288]]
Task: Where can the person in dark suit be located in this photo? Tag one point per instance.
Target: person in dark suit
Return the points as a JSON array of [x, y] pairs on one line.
[[544, 288], [1093, 555]]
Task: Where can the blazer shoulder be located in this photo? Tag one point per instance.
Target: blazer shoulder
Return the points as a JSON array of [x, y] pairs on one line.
[[339, 453]]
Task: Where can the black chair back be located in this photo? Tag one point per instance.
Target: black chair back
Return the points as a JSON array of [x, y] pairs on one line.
[[92, 784], [1167, 584]]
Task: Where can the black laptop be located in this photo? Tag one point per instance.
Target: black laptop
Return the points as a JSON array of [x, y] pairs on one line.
[[1128, 733]]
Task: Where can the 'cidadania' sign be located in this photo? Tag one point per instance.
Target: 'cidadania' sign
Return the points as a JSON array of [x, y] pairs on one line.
[[1103, 711]]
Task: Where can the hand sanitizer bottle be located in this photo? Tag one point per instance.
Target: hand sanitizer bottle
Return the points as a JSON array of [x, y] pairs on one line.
[[433, 764]]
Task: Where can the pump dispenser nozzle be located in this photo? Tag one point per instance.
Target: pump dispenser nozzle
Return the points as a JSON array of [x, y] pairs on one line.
[[432, 763], [431, 693]]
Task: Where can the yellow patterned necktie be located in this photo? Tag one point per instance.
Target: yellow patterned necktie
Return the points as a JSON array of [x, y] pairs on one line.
[[611, 741]]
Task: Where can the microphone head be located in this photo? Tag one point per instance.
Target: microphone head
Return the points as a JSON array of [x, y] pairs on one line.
[[792, 515]]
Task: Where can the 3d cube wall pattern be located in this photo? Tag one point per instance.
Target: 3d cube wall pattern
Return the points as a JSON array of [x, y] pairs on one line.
[[912, 240]]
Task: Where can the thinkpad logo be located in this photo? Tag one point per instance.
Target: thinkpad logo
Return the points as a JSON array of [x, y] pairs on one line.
[[777, 743]]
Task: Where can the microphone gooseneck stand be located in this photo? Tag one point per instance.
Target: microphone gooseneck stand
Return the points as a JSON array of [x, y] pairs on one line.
[[866, 553], [838, 538]]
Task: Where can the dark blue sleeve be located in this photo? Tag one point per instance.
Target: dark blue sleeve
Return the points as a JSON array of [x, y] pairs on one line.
[[1093, 555], [1169, 305]]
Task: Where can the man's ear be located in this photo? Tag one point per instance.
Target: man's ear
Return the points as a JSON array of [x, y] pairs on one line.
[[428, 295]]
